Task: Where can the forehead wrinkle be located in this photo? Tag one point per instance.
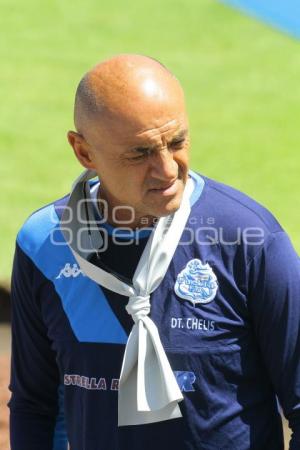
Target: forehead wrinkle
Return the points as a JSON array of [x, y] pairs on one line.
[[160, 129], [161, 141]]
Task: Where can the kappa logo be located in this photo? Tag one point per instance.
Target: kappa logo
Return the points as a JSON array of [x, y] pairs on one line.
[[196, 282], [70, 271]]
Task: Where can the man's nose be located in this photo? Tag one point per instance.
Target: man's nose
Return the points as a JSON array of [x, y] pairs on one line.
[[163, 165]]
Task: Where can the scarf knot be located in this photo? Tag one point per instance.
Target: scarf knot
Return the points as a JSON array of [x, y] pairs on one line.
[[138, 306]]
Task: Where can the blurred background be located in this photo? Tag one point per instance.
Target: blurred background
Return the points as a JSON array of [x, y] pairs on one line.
[[239, 64]]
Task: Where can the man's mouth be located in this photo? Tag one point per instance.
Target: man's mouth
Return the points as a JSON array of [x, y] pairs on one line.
[[167, 189]]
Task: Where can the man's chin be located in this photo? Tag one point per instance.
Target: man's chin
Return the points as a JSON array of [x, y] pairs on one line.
[[168, 208], [155, 214], [162, 206]]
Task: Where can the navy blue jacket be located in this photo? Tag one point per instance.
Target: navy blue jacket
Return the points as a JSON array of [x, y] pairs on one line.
[[234, 351]]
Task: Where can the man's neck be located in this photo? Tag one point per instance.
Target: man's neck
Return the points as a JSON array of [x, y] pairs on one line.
[[121, 217]]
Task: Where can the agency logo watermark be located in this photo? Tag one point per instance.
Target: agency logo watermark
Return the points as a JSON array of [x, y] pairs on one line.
[[198, 230]]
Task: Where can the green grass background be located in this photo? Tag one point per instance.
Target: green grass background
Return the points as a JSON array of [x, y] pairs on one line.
[[241, 80]]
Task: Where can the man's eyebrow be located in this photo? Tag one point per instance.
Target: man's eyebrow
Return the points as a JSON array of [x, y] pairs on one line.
[[148, 148], [180, 135], [142, 148]]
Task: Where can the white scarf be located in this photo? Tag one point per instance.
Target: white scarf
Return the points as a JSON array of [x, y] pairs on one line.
[[148, 391]]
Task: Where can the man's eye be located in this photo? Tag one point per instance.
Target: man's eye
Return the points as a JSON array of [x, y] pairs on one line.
[[139, 154], [177, 144], [138, 157]]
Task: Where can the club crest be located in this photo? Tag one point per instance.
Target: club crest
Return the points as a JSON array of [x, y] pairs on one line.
[[196, 282]]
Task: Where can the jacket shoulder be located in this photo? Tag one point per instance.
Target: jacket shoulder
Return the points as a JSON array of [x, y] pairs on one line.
[[40, 226]]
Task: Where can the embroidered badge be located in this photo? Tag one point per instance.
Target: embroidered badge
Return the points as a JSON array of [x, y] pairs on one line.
[[196, 282], [185, 380]]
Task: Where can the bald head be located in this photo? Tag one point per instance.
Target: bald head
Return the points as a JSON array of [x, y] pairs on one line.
[[122, 87]]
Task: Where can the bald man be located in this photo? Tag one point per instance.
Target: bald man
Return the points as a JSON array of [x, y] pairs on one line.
[[152, 307]]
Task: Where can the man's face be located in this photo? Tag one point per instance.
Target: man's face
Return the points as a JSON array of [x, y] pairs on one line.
[[139, 149], [142, 163]]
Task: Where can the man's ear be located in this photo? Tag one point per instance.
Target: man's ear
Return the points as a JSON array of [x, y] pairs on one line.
[[81, 149]]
